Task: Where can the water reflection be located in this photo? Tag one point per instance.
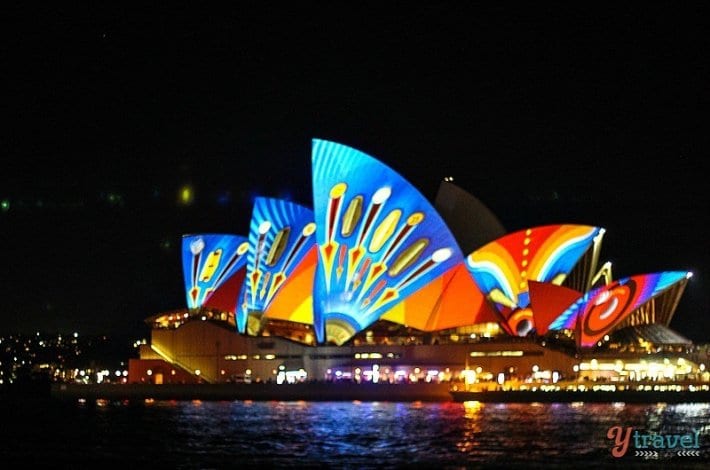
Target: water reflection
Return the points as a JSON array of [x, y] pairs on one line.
[[472, 427], [197, 434]]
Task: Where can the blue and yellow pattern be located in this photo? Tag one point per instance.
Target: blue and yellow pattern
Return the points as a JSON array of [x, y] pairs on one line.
[[208, 260], [379, 240], [280, 234]]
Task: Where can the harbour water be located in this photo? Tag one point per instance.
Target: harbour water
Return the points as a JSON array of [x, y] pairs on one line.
[[357, 435]]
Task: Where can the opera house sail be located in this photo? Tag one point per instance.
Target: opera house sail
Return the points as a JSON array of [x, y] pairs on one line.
[[280, 267], [213, 270], [379, 242], [503, 268]]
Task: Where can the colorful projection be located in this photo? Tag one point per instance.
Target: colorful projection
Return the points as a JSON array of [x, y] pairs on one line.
[[211, 265], [596, 312], [282, 249], [548, 301], [379, 240], [503, 268], [449, 301], [373, 248]]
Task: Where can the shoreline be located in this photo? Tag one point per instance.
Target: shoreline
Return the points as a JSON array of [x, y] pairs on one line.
[[331, 391], [307, 391], [587, 396]]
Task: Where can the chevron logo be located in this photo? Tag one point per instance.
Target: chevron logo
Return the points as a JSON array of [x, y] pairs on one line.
[[688, 453], [647, 454]]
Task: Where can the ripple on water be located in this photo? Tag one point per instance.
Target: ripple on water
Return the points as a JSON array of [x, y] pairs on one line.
[[339, 434]]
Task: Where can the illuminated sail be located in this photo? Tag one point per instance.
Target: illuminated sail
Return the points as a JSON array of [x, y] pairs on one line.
[[548, 301], [504, 267], [210, 263], [282, 248], [449, 301], [379, 240], [596, 312]]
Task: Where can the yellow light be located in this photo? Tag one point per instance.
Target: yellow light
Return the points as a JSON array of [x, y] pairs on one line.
[[187, 195], [469, 376]]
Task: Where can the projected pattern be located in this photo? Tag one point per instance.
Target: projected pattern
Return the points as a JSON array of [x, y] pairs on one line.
[[449, 301], [280, 236], [503, 267], [379, 240], [596, 312], [208, 262]]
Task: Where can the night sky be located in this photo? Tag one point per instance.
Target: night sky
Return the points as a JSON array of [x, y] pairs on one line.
[[554, 115]]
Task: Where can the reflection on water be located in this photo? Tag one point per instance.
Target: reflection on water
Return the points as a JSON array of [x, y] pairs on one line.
[[196, 434]]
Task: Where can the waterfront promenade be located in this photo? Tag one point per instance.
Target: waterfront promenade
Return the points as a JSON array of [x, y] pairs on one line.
[[309, 391], [342, 391]]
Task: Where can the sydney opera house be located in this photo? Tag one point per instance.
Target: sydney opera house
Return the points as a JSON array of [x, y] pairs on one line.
[[374, 283]]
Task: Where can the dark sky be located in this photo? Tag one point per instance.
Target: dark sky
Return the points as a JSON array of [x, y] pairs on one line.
[[553, 115]]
